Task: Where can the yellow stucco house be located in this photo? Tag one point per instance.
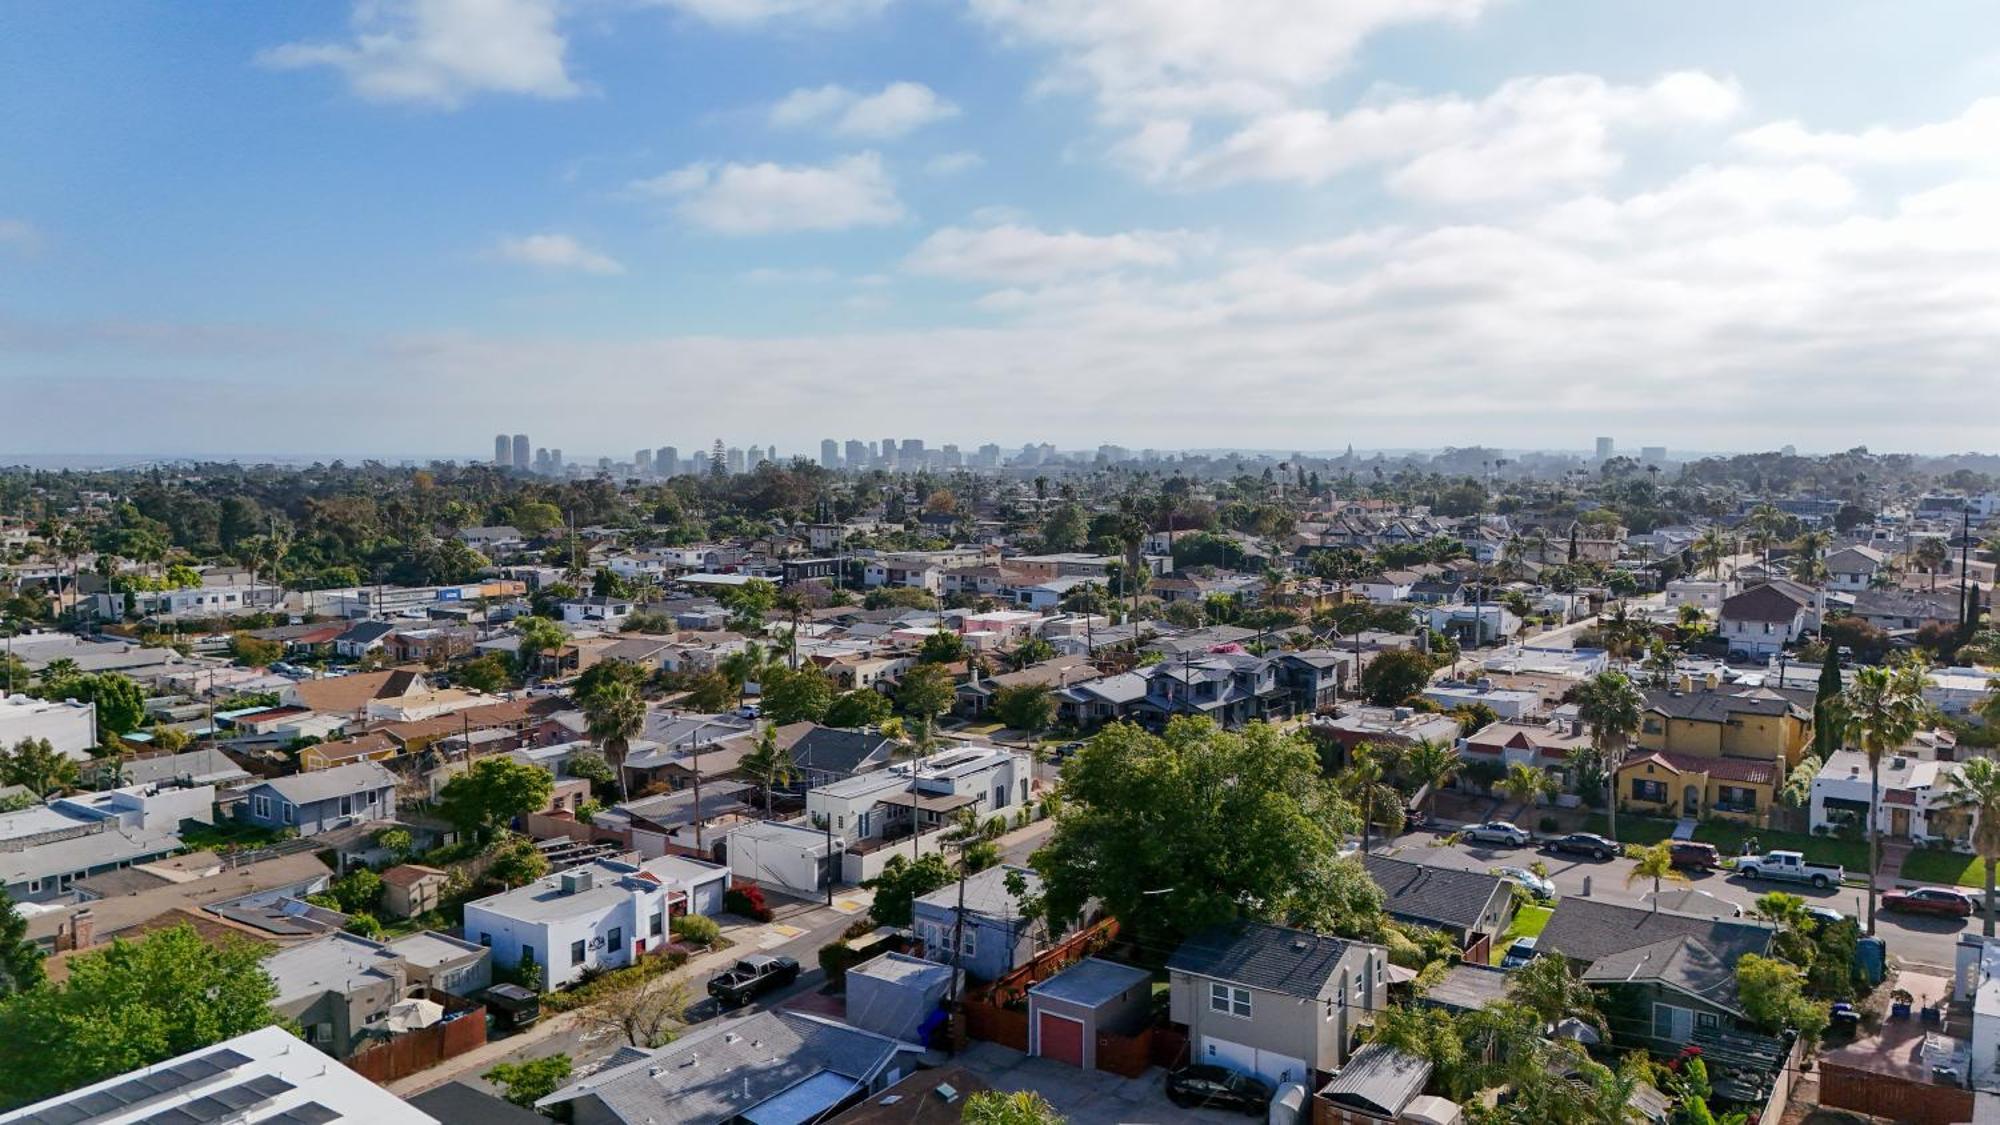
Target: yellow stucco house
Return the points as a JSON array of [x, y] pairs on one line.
[[1714, 750]]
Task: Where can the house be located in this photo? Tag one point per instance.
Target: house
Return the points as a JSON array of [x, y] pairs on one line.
[[600, 915], [267, 1073], [1070, 1012], [1903, 611], [489, 541], [1852, 569], [362, 638], [1507, 703], [1231, 688], [410, 889], [795, 858], [1356, 723], [989, 937], [1674, 970], [898, 996], [171, 887], [341, 988], [602, 612], [1471, 906], [1272, 1001], [1663, 783], [68, 725], [1545, 745], [982, 781], [312, 803], [1316, 677], [977, 694], [1108, 699], [1918, 803], [1378, 1084], [1472, 624], [1762, 620], [45, 849], [347, 696], [772, 1066], [1720, 748], [928, 1097]]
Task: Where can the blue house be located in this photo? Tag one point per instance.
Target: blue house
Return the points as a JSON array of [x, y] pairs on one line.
[[994, 939], [323, 800]]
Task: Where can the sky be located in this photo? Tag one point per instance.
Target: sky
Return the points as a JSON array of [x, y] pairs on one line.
[[396, 227]]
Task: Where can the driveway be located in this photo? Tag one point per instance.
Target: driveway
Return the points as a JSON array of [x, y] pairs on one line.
[[1085, 1097]]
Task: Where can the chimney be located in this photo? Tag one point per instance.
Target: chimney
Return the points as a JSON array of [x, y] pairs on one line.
[[82, 932], [1684, 682]]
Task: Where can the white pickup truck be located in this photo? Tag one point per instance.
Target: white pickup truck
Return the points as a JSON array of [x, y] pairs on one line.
[[1789, 867]]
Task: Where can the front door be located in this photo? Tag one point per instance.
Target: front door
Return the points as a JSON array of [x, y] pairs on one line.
[[1691, 801], [1899, 822]]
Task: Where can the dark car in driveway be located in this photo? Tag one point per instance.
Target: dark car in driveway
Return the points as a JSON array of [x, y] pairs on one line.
[[1691, 855], [1219, 1088], [1585, 843], [1930, 900]]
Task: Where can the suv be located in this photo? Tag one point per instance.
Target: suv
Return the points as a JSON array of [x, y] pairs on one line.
[[1204, 1085], [1690, 855], [1585, 843]]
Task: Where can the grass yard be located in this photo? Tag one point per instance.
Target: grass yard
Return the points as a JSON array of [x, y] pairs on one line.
[[1729, 837], [1529, 921], [1945, 868]]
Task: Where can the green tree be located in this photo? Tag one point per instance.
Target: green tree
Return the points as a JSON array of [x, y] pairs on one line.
[[121, 706], [1030, 652], [941, 647], [801, 696], [1612, 706], [859, 708], [516, 862], [130, 1005], [251, 652], [20, 959], [492, 792], [1973, 788], [769, 765], [1524, 784], [529, 1082], [35, 765], [901, 883], [1198, 826], [488, 673], [605, 674], [1431, 765], [1882, 709], [1773, 996], [615, 716], [396, 841], [1025, 1107], [1655, 863], [925, 692], [709, 692], [1028, 707], [594, 769], [1393, 677], [747, 665], [357, 891], [1826, 725], [1064, 529], [539, 635], [749, 605], [1548, 987]]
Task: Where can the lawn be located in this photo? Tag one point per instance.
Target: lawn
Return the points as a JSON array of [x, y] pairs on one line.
[[1946, 868], [1528, 922], [1729, 837], [228, 836]]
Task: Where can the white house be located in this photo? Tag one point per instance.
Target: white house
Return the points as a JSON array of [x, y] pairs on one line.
[[1854, 568], [1914, 789], [795, 858], [1704, 594], [596, 611], [1508, 703], [603, 914], [1761, 621], [69, 726], [986, 780], [1956, 691], [1388, 586], [1976, 985]]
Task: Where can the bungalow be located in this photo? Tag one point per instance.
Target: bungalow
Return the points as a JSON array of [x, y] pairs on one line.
[[985, 934], [601, 915], [1902, 611], [1108, 699], [1918, 803], [977, 694], [603, 612], [362, 638], [1853, 569], [347, 696], [1672, 972], [321, 801], [1663, 783], [1471, 906], [1272, 1001], [984, 781]]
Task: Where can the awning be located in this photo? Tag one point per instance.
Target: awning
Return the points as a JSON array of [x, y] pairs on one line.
[[939, 803]]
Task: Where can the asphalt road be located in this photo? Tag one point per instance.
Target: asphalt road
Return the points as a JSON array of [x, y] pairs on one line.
[[1913, 939]]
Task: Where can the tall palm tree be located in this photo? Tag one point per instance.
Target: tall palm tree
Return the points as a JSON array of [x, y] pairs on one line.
[[793, 604], [1365, 783], [1974, 790], [1656, 863], [1881, 710], [1931, 554], [768, 765], [743, 666], [1765, 523], [1430, 765], [1525, 784], [1709, 547], [1612, 707], [1811, 548], [615, 715]]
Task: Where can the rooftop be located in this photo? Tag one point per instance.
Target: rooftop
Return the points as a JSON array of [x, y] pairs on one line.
[[1091, 981], [1272, 958]]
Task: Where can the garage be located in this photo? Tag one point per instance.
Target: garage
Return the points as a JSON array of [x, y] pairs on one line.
[[1271, 1066], [1068, 1011]]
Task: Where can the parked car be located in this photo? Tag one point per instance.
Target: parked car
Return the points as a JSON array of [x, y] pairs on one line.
[[1930, 900], [1219, 1087], [1790, 867], [1690, 855], [750, 978], [1497, 832], [1534, 884], [1585, 843], [1519, 953], [1826, 915]]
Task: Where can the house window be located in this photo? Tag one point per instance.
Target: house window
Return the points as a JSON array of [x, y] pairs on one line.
[[486, 939], [346, 806], [617, 939], [1644, 790], [657, 924], [1229, 1000], [527, 955], [34, 886], [291, 814], [968, 945], [1705, 1021], [1652, 726], [1736, 798], [261, 806], [576, 953]]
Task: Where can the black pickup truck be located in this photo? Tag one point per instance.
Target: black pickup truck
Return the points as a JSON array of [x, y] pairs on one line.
[[750, 978]]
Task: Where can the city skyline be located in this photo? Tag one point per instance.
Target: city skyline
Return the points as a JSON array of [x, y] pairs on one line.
[[1440, 223]]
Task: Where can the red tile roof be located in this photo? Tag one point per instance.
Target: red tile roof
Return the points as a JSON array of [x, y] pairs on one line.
[[1727, 769]]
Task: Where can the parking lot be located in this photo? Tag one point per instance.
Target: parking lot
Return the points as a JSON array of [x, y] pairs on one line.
[[1085, 1097]]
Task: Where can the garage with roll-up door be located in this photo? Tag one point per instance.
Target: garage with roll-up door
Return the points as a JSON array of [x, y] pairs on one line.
[[1067, 1011]]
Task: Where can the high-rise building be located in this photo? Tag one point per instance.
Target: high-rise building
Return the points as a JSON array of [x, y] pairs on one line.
[[857, 455], [555, 461], [643, 461], [912, 453], [667, 461], [1605, 448], [989, 456], [756, 456], [541, 461], [503, 450], [888, 457], [735, 462], [1653, 454], [523, 456], [953, 459], [829, 454]]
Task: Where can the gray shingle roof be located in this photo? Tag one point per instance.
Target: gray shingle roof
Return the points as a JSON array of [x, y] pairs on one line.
[[986, 893], [1441, 896], [1586, 930], [1467, 986], [1683, 961], [1272, 958], [321, 785]]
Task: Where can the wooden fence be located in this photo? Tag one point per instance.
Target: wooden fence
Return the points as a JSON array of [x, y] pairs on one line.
[[1886, 1095], [424, 1048]]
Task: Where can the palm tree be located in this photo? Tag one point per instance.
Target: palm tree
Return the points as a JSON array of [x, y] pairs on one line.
[[793, 605], [1974, 789], [1525, 784], [1612, 707], [1765, 523], [1656, 863], [1881, 710], [768, 765], [1364, 781], [1430, 765], [1548, 987], [1811, 548], [1709, 547], [616, 715], [742, 667], [1931, 554]]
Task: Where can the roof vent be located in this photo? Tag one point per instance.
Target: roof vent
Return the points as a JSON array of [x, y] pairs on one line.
[[1300, 945], [732, 1037]]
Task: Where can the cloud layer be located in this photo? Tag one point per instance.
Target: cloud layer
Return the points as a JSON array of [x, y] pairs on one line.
[[853, 191]]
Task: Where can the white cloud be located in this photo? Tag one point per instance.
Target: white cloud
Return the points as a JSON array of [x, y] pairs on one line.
[[751, 13], [782, 275], [894, 111], [1017, 254], [1530, 135], [853, 191], [952, 163], [442, 52], [1972, 136], [556, 252]]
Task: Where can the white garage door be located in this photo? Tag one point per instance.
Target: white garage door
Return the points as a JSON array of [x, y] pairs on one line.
[[1272, 1067]]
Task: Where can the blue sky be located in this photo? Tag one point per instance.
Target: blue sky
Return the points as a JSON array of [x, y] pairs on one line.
[[617, 223]]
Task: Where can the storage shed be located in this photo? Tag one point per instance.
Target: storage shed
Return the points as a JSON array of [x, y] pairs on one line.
[[1067, 1011]]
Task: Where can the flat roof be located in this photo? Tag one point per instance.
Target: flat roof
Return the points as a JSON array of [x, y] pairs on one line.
[[1091, 982]]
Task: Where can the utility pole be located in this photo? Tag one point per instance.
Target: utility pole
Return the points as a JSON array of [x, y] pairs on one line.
[[695, 740], [1966, 615]]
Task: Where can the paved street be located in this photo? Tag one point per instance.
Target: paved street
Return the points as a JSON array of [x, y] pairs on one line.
[[1913, 939]]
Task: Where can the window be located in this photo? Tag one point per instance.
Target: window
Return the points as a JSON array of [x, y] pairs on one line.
[[617, 939], [346, 805], [1644, 790], [486, 939], [968, 946], [261, 806], [1706, 1021], [657, 924], [576, 953], [291, 813], [34, 886], [1229, 1000], [527, 955]]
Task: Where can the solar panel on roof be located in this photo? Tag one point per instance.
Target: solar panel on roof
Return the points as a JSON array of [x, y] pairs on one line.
[[311, 1113], [224, 1103], [144, 1087]]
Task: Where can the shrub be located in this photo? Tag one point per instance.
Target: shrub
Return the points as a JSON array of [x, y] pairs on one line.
[[696, 929], [1546, 824], [836, 959], [747, 900]]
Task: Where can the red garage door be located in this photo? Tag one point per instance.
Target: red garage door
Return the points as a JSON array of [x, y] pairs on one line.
[[1061, 1039]]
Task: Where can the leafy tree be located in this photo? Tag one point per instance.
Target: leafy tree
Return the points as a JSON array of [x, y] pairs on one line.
[[648, 1015], [1525, 784], [1024, 1107], [898, 597], [487, 672], [20, 959], [1251, 820], [356, 891], [1826, 725], [901, 883], [593, 768], [1548, 987], [615, 715], [1773, 995], [529, 1082], [1882, 709], [396, 841], [803, 695], [1612, 706], [251, 652], [121, 706], [925, 692], [710, 691], [130, 1005], [769, 765], [516, 862], [35, 765], [492, 792], [747, 665], [1365, 783], [605, 674], [1974, 790], [539, 635], [1064, 529], [1429, 763], [1030, 652], [749, 604], [941, 647], [1392, 677], [1028, 707], [859, 708]]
